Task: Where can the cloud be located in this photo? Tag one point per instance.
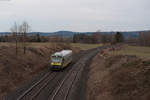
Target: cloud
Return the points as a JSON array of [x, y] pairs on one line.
[[77, 15]]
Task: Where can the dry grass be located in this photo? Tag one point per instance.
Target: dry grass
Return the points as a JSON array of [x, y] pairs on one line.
[[16, 70], [85, 46], [41, 44], [76, 45], [143, 52], [119, 77]]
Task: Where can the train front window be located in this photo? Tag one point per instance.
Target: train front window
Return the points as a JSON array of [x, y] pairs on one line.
[[56, 58]]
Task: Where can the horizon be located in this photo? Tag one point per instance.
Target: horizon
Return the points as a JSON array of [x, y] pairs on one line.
[[81, 32]]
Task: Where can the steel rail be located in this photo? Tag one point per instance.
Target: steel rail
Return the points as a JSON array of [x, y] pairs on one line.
[[34, 85], [61, 84], [71, 84], [43, 86]]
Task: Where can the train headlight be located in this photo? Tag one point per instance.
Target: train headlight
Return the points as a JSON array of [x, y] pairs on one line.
[[56, 64], [52, 63]]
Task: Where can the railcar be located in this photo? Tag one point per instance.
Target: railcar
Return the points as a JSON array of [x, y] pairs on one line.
[[62, 59]]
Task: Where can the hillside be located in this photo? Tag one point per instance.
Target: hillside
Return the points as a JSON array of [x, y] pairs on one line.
[[17, 70], [70, 33], [119, 77]]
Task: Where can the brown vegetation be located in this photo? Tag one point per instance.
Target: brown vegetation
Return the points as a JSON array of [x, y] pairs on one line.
[[16, 70], [119, 77], [98, 37], [144, 38]]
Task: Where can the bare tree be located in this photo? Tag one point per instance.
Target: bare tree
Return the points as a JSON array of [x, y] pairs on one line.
[[111, 38], [19, 33], [25, 29], [96, 37], [144, 38], [119, 37], [14, 31]]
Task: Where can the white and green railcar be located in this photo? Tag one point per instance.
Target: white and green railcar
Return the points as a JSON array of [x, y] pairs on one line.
[[60, 60]]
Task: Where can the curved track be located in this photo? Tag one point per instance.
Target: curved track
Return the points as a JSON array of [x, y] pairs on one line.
[[57, 85], [38, 86]]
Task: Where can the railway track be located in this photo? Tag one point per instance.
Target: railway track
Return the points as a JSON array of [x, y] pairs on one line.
[[55, 94], [38, 86], [63, 89], [57, 85]]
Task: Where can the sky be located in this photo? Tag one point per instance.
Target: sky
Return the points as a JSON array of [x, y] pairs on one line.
[[76, 15]]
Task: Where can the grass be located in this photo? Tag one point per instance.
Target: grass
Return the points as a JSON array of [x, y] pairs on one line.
[[79, 45], [139, 51], [85, 46], [29, 44], [17, 70]]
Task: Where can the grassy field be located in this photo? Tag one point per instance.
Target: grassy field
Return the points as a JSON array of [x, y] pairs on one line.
[[85, 46], [78, 45], [17, 69], [139, 51], [29, 44]]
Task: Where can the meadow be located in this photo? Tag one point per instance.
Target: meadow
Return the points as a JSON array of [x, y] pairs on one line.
[[139, 51], [85, 46]]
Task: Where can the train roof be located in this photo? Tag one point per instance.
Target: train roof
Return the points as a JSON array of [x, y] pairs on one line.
[[62, 53]]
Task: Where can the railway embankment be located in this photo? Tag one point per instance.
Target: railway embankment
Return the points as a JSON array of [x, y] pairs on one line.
[[59, 85], [118, 77], [16, 70]]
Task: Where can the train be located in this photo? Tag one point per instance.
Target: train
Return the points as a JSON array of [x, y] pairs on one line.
[[60, 60]]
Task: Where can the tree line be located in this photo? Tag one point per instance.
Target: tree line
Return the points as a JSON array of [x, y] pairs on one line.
[[144, 38], [19, 35], [98, 37]]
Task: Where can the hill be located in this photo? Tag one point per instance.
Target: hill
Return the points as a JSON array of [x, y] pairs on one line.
[[70, 33]]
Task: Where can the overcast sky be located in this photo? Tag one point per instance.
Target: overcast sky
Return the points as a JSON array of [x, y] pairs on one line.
[[76, 15]]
